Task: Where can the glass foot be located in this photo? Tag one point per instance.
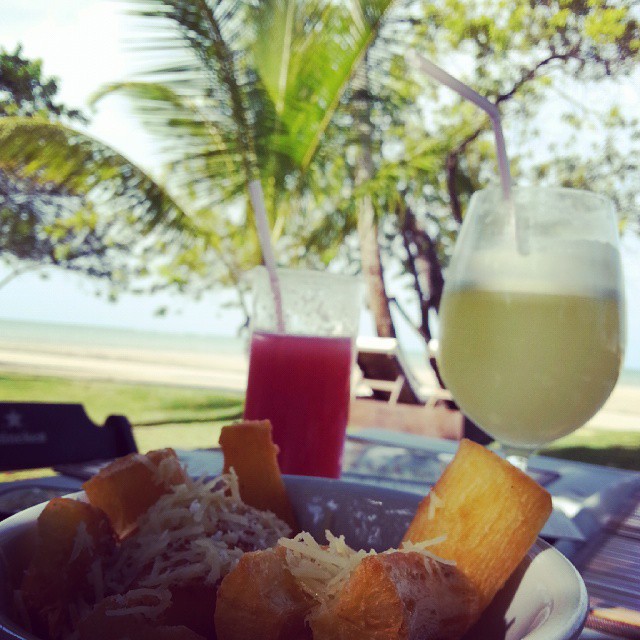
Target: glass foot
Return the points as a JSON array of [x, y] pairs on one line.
[[519, 461]]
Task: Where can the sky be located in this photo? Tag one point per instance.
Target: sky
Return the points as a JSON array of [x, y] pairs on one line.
[[83, 44]]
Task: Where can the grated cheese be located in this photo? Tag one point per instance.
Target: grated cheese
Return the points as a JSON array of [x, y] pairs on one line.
[[173, 547], [147, 602], [322, 570], [82, 541], [435, 502]]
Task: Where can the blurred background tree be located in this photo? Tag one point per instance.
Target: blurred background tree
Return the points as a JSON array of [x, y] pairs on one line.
[[430, 153], [366, 165], [67, 200]]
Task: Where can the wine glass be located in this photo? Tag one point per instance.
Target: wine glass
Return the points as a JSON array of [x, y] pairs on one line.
[[532, 323]]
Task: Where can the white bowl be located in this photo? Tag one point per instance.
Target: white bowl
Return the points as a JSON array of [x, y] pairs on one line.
[[544, 600]]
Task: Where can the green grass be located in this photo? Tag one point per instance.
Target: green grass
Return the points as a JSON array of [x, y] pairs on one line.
[[161, 415], [189, 418], [613, 448]]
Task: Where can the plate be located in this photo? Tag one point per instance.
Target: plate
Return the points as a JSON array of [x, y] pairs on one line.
[[545, 599]]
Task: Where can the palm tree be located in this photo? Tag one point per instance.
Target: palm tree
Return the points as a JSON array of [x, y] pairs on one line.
[[250, 94], [45, 220], [244, 90]]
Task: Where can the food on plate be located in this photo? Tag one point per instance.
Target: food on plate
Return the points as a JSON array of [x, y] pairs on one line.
[[306, 590], [249, 449], [188, 540], [487, 514], [164, 570], [397, 595], [128, 486], [465, 540], [191, 560], [74, 541], [279, 604]]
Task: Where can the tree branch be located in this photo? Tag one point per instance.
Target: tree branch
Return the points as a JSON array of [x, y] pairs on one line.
[[451, 168], [18, 272], [531, 74], [424, 266], [406, 241], [452, 160]]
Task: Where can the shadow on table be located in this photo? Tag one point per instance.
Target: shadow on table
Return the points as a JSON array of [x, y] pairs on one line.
[[498, 623]]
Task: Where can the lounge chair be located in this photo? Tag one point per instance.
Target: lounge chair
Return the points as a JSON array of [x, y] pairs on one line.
[[389, 395]]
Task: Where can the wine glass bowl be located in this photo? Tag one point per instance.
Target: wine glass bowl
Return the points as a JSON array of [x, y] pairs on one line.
[[532, 317]]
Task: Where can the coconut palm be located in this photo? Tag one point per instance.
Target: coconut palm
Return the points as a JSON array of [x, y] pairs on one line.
[[238, 91], [247, 91], [44, 218]]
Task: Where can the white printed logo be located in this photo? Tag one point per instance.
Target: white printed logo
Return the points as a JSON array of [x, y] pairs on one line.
[[13, 420], [14, 431]]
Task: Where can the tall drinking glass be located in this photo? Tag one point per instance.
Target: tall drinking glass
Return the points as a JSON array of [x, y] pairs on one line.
[[532, 319], [300, 378]]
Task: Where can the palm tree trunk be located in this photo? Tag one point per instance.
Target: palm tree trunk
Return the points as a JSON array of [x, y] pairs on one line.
[[377, 297], [370, 257]]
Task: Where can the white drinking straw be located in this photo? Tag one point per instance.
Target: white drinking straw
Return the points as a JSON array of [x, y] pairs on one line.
[[264, 235], [494, 115]]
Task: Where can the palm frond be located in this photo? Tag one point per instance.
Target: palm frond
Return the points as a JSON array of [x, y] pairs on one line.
[[51, 153], [321, 63], [174, 119], [275, 21], [214, 33], [197, 136]]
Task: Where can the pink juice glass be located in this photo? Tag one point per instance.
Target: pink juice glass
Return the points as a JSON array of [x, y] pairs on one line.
[[299, 379]]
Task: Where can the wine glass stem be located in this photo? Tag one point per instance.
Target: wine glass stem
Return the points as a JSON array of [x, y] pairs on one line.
[[518, 457]]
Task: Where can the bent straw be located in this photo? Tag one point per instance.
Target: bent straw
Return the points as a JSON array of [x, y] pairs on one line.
[[264, 235], [494, 115]]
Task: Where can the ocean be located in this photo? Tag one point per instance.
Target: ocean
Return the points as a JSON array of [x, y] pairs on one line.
[[34, 336]]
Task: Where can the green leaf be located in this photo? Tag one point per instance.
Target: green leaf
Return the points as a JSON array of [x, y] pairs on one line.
[[50, 152], [328, 40]]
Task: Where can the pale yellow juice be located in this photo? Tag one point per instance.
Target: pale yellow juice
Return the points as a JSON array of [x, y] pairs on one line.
[[529, 367]]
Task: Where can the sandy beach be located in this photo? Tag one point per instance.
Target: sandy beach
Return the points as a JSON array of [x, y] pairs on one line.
[[226, 371], [211, 371]]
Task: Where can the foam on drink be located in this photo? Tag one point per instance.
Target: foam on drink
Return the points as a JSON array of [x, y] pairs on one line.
[[587, 267]]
